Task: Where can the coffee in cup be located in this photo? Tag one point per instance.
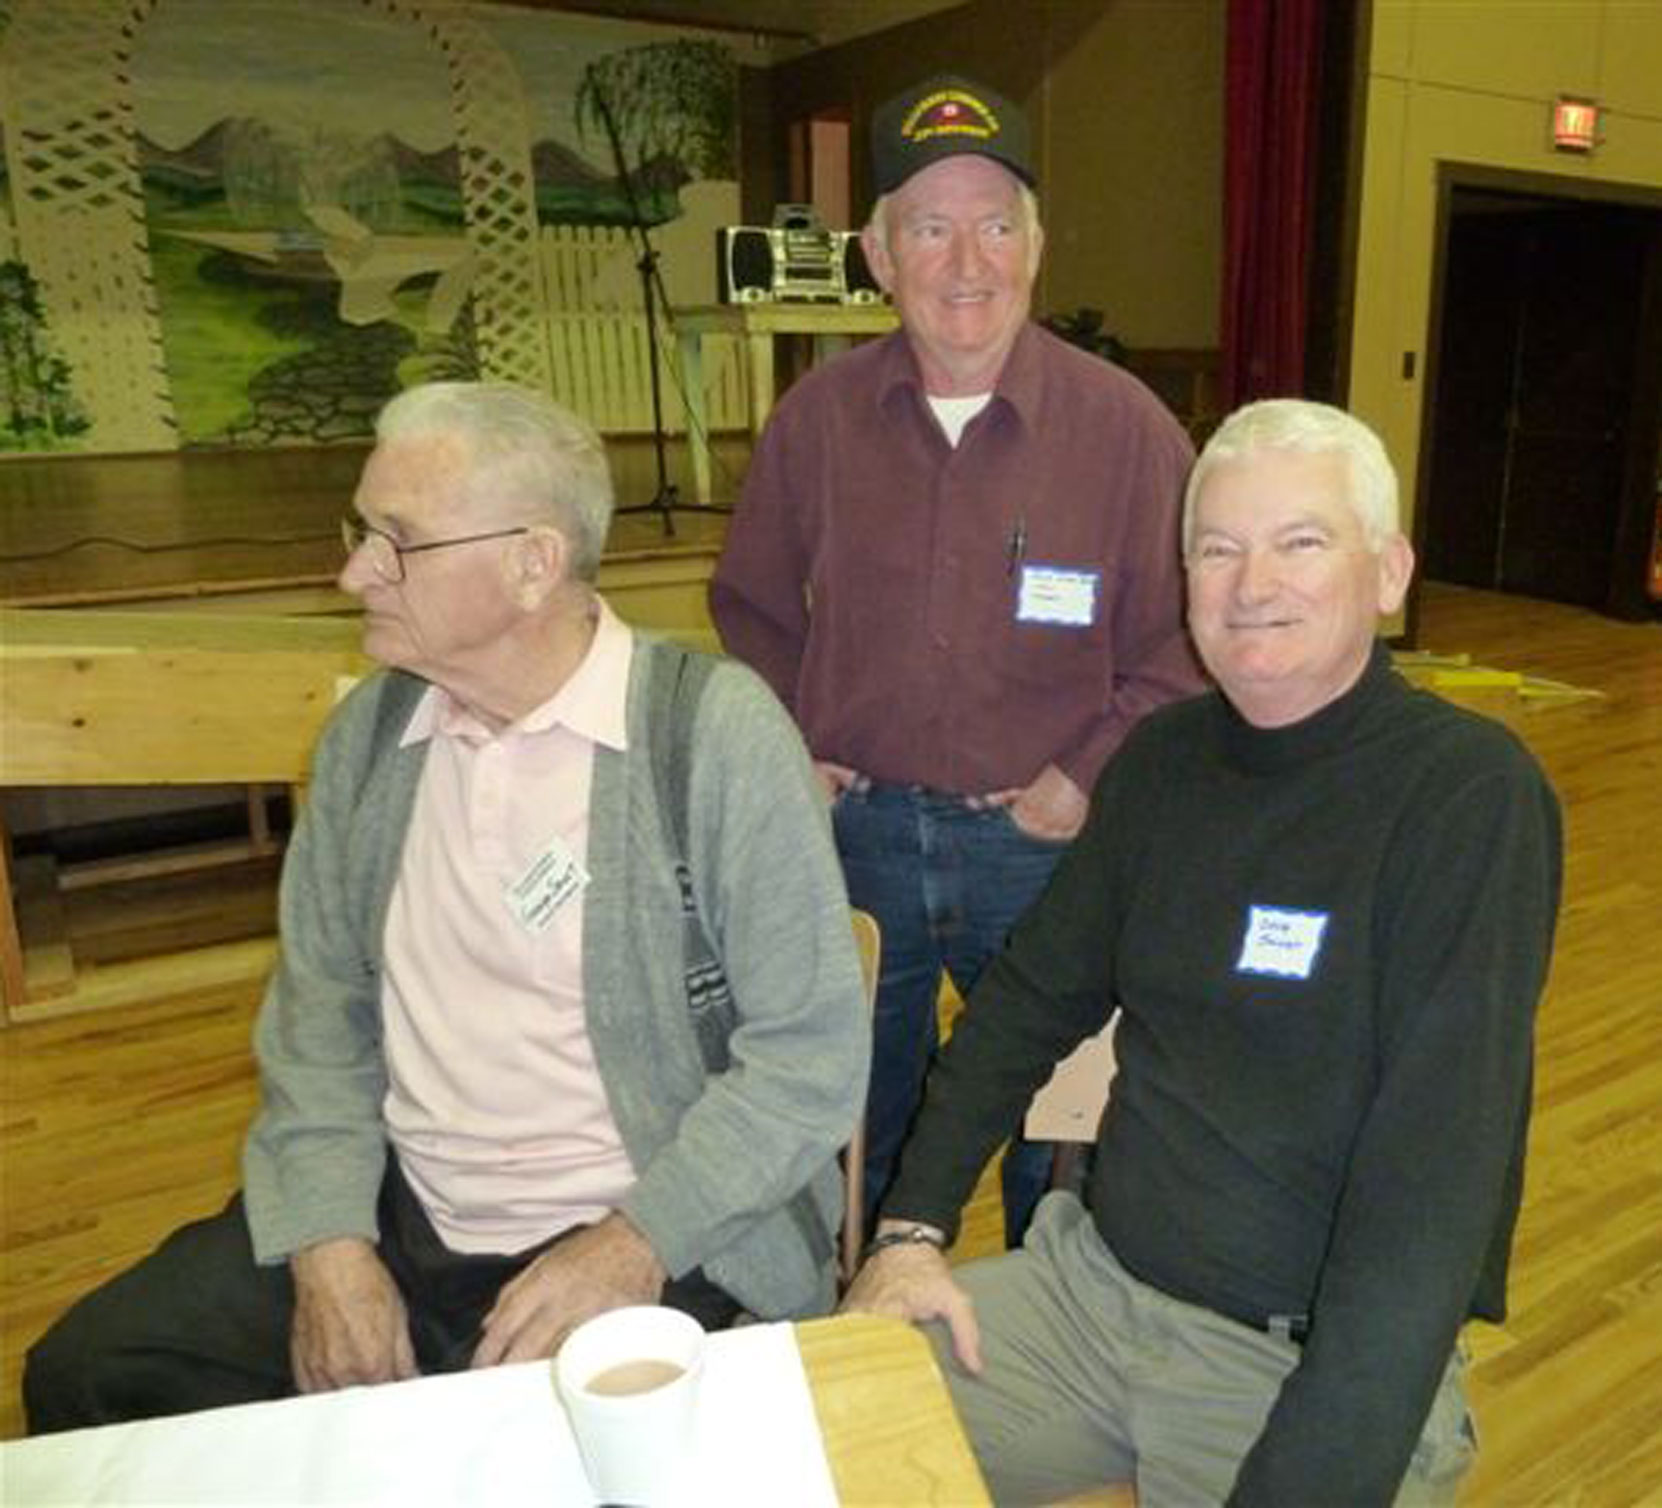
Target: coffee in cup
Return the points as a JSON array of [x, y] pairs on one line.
[[626, 1377]]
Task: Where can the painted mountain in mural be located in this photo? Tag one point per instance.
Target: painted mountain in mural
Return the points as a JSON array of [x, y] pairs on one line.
[[192, 169], [243, 172]]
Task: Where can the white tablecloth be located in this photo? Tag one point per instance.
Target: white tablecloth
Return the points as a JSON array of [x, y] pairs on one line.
[[497, 1436]]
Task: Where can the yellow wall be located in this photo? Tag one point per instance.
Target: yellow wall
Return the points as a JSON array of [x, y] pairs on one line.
[[1471, 82], [1125, 99], [1130, 118]]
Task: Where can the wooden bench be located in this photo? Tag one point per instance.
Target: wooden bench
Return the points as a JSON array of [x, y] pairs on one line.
[[149, 699], [221, 683]]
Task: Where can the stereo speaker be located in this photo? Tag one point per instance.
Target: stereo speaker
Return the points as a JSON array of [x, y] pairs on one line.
[[860, 285], [744, 264]]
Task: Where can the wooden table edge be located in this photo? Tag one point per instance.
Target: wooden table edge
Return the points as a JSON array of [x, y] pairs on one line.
[[891, 1434]]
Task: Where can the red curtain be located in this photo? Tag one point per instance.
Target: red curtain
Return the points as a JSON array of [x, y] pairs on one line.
[[1273, 94]]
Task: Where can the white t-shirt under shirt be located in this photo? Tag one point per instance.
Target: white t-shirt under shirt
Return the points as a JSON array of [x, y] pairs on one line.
[[952, 414], [494, 1104]]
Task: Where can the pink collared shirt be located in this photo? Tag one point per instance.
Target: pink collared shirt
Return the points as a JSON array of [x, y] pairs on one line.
[[494, 1104]]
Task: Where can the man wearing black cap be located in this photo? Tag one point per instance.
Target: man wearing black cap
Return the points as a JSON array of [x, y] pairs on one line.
[[955, 560]]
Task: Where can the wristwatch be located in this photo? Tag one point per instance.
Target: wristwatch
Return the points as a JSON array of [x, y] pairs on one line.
[[913, 1235]]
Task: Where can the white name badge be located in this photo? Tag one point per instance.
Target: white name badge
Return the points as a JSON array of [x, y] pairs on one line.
[[1050, 594], [553, 877], [1283, 943]]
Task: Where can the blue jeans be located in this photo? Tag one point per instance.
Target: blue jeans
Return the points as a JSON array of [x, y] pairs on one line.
[[946, 882]]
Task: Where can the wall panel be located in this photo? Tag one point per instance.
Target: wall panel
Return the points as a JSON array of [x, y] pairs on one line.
[[1472, 84]]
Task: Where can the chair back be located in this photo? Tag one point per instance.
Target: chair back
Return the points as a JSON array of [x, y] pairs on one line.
[[868, 939], [1068, 1106]]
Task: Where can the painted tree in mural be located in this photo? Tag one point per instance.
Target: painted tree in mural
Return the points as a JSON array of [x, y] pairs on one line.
[[36, 399], [672, 106]]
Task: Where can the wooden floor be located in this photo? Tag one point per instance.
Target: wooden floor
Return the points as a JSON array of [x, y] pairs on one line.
[[117, 1125]]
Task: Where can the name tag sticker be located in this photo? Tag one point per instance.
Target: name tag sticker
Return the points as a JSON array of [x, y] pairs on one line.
[[1050, 594], [553, 877], [1283, 943]]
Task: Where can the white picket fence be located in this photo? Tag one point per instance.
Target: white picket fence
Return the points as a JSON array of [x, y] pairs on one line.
[[597, 339]]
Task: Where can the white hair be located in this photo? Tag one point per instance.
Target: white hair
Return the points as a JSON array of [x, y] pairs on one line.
[[528, 458], [1297, 424]]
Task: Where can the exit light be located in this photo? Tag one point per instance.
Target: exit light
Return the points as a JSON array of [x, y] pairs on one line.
[[1575, 124]]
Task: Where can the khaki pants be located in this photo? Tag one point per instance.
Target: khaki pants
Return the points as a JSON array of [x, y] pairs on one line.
[[1093, 1377]]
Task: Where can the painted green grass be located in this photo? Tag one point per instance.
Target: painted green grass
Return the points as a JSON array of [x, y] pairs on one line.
[[213, 339], [220, 332]]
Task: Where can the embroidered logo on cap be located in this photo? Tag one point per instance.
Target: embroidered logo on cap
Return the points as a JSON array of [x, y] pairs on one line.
[[950, 112]]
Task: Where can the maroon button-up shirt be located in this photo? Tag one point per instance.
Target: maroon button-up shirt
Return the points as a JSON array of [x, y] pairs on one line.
[[873, 571]]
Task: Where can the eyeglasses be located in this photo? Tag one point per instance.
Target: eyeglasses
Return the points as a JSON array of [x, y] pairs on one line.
[[386, 555]]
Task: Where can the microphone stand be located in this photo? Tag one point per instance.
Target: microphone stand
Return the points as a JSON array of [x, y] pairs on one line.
[[666, 498]]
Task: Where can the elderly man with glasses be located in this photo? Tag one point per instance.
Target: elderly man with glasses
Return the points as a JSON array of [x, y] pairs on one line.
[[492, 1106]]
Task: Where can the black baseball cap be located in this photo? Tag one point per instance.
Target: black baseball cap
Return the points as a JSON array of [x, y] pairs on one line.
[[942, 117]]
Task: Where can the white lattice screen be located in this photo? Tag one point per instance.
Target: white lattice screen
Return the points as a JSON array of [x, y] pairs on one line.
[[498, 189], [79, 208]]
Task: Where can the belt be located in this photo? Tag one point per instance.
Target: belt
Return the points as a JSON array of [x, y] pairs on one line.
[[1290, 1327], [864, 785], [1293, 1327]]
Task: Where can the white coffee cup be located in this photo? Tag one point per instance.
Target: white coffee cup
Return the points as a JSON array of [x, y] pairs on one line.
[[629, 1383]]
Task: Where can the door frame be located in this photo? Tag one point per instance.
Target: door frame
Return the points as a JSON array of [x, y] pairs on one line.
[[1627, 595]]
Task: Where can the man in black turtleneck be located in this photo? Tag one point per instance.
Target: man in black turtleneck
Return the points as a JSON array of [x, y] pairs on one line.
[[1322, 904]]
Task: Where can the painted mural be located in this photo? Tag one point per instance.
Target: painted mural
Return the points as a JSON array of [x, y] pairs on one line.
[[273, 214]]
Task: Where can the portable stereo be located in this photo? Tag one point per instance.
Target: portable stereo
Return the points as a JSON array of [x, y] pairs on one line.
[[794, 260]]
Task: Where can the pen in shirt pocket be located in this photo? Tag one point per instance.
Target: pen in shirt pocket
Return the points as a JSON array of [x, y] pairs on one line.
[[1018, 546]]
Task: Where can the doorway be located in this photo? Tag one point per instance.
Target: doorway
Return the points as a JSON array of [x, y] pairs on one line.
[[1547, 401], [819, 172]]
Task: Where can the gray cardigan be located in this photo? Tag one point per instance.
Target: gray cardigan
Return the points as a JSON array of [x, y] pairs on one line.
[[716, 1159]]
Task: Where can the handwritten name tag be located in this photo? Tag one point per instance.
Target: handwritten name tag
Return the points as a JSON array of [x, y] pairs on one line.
[[551, 880], [1050, 594], [1283, 943]]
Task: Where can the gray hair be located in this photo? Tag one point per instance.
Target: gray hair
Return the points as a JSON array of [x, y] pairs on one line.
[[878, 221], [528, 459], [1308, 428]]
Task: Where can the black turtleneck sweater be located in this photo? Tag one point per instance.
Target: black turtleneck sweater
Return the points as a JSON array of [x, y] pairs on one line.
[[1326, 942]]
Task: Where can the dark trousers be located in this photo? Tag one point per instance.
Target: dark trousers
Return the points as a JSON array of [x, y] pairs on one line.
[[199, 1324], [946, 882]]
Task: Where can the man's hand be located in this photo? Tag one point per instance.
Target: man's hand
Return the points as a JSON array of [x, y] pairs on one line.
[[914, 1282], [602, 1267], [349, 1325], [1051, 809], [836, 778]]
